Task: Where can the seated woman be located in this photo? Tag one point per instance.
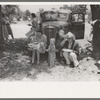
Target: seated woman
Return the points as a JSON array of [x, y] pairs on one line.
[[70, 49], [38, 45]]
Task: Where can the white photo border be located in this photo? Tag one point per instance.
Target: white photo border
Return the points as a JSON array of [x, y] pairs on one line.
[[49, 89]]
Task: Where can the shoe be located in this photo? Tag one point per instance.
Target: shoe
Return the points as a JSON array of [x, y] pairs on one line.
[[71, 65]]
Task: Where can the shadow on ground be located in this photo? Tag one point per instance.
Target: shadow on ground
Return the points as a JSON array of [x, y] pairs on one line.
[[15, 62], [16, 66]]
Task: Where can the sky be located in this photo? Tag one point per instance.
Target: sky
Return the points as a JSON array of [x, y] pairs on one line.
[[35, 8]]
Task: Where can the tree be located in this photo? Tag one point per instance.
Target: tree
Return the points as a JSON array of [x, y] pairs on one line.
[[19, 14], [26, 15], [75, 8], [10, 10], [95, 9]]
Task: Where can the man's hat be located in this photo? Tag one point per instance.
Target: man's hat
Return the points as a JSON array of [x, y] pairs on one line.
[[61, 31], [70, 35]]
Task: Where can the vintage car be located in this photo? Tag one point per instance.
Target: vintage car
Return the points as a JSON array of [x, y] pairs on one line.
[[53, 21]]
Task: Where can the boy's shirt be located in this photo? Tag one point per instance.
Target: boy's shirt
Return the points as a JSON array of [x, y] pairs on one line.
[[52, 48]]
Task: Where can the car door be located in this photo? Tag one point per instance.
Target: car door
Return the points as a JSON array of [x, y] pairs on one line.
[[77, 25]]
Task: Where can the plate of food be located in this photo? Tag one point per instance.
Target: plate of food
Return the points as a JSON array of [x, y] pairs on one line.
[[67, 50]]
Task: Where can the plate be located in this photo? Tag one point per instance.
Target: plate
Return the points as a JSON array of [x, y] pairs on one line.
[[67, 50]]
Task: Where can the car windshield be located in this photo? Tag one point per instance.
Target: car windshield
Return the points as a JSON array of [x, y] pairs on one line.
[[77, 18], [51, 16], [63, 16]]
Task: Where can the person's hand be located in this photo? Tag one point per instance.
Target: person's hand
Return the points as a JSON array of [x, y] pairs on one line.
[[65, 37], [46, 50], [76, 52], [63, 42]]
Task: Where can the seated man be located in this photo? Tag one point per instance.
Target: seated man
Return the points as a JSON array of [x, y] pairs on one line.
[[70, 49]]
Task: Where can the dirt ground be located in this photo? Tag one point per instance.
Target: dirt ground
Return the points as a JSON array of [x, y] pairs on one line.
[[17, 67]]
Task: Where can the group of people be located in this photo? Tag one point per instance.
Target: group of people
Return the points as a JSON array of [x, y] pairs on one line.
[[67, 47], [37, 40]]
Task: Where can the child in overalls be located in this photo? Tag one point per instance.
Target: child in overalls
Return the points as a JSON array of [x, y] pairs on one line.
[[52, 53]]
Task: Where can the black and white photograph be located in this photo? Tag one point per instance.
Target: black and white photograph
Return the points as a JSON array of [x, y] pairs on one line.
[[49, 43]]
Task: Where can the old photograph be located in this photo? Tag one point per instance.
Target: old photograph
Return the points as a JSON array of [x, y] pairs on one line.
[[53, 43]]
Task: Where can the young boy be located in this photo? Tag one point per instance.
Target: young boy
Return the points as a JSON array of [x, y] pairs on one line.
[[52, 52]]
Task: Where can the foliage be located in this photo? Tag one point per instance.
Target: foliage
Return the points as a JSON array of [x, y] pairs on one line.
[[9, 9], [13, 11], [75, 8], [26, 15]]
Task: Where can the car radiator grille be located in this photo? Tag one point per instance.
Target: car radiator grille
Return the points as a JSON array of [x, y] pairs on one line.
[[50, 33]]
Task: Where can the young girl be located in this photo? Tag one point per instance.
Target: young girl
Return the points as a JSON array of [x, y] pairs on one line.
[[52, 53], [33, 46], [33, 42], [37, 47]]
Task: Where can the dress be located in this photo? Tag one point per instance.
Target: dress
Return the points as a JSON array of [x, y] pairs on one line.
[[5, 32], [37, 43], [9, 29], [8, 26], [33, 45], [42, 40]]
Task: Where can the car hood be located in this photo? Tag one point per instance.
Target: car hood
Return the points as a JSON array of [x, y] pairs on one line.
[[55, 23]]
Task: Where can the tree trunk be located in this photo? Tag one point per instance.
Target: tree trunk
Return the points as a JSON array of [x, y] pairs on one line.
[[95, 12], [1, 36], [95, 9]]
